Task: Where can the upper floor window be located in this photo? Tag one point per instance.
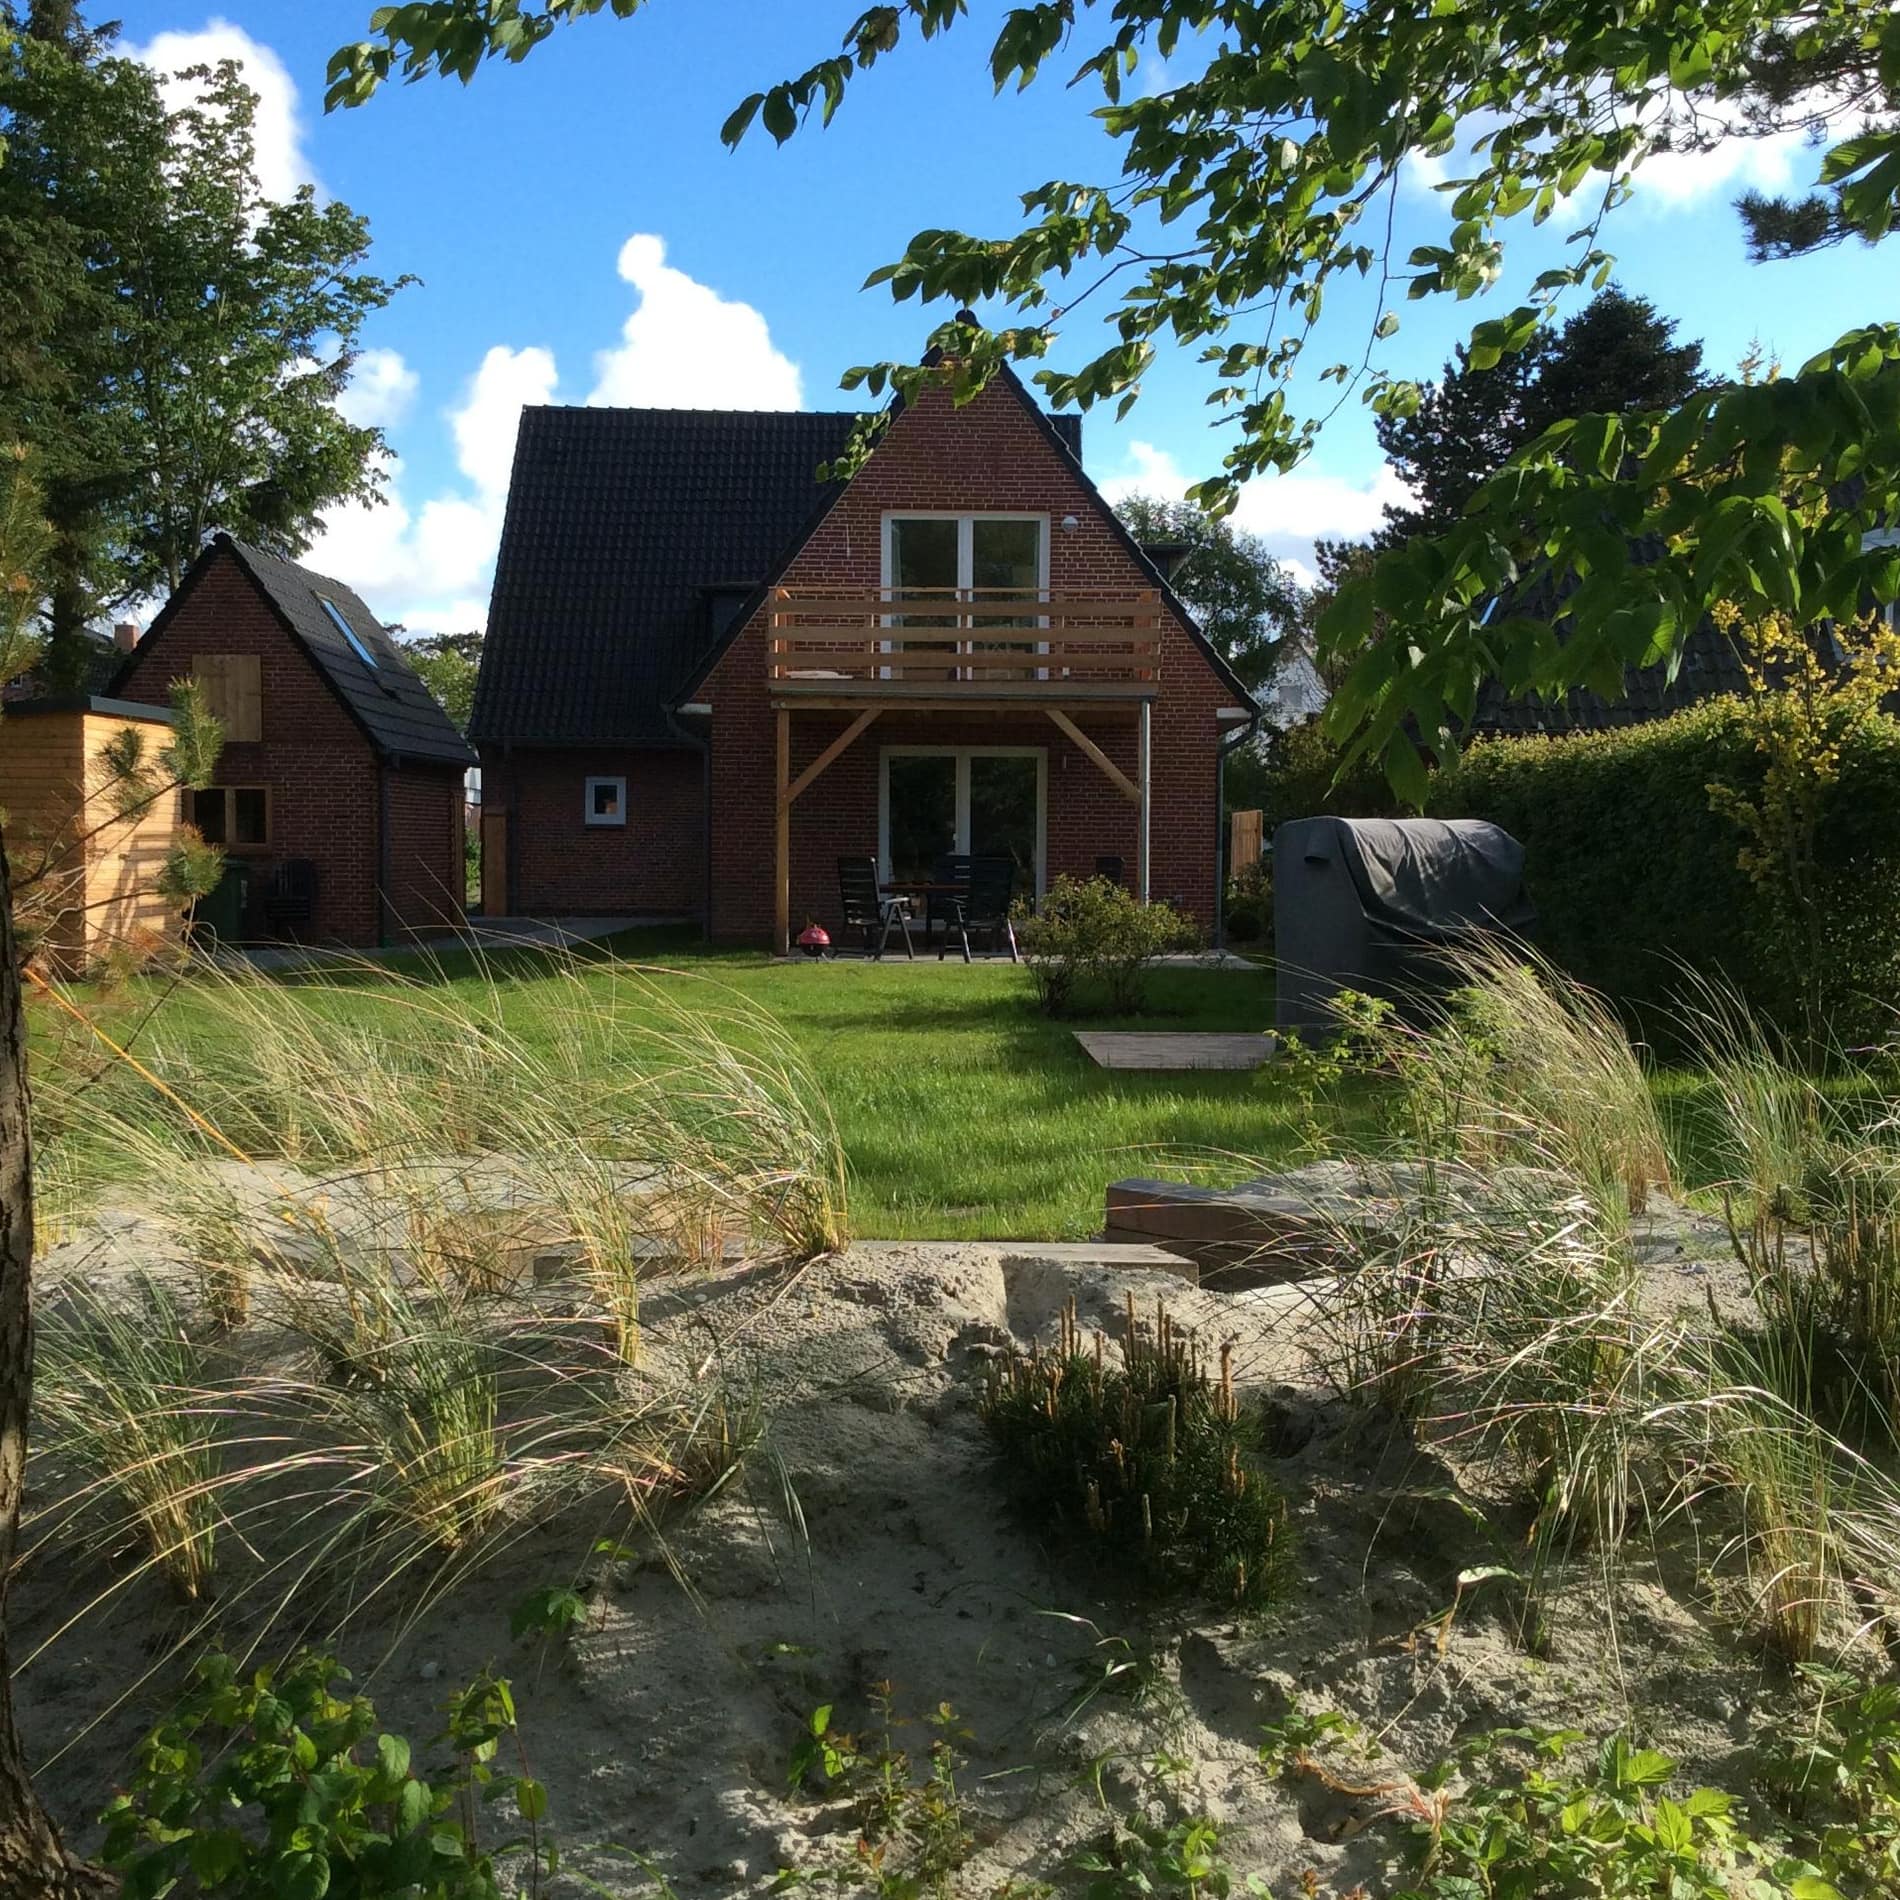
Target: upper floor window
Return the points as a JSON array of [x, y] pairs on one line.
[[975, 558], [340, 622], [232, 684]]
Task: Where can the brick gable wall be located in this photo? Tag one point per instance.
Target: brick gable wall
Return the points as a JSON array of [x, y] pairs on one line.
[[989, 456], [653, 865], [317, 765]]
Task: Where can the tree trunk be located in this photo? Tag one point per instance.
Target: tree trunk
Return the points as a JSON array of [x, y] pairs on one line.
[[33, 1864]]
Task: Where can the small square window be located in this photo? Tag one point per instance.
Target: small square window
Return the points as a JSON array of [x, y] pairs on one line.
[[606, 801]]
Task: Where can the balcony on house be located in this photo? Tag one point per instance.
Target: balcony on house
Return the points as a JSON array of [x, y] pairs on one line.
[[964, 645]]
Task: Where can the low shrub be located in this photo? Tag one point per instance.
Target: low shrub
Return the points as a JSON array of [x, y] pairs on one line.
[[1150, 1461], [1249, 909], [276, 1786], [1094, 931]]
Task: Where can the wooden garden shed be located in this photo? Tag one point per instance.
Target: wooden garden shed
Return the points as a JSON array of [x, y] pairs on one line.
[[86, 873]]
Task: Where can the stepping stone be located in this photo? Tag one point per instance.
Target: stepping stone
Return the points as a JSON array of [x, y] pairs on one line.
[[1157, 1050]]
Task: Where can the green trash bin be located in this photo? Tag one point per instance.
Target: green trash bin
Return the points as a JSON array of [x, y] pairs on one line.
[[219, 916]]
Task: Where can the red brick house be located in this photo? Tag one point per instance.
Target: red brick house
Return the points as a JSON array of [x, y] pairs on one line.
[[336, 756], [708, 676]]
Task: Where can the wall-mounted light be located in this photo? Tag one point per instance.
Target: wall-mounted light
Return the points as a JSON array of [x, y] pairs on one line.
[[1070, 524]]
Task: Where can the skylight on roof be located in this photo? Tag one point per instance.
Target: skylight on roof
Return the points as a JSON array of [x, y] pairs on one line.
[[346, 630]]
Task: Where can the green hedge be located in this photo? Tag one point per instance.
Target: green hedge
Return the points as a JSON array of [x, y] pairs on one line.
[[1634, 876]]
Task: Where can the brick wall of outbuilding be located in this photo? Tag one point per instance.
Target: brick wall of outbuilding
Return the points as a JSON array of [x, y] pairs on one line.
[[992, 455], [427, 875], [317, 764], [654, 865]]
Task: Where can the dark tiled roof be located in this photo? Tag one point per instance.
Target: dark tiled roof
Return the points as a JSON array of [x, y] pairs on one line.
[[632, 538], [388, 700], [1709, 668], [619, 522]]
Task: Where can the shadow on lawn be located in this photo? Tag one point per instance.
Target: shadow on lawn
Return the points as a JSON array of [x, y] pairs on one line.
[[675, 945]]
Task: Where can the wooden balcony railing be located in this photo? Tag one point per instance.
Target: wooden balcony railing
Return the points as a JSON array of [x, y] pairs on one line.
[[1026, 641]]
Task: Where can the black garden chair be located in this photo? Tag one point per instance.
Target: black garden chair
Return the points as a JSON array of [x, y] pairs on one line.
[[869, 908], [952, 868], [984, 908], [290, 898]]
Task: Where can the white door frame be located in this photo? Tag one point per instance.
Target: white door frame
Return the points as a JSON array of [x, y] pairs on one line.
[[966, 519], [963, 754]]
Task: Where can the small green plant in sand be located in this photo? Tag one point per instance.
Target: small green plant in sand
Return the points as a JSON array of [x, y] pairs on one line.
[[1505, 1817], [1150, 1461], [281, 1785], [1140, 1859], [1832, 1772], [913, 1824]]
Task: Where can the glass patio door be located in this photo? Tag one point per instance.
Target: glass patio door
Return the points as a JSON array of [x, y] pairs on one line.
[[986, 802], [1004, 811], [920, 805]]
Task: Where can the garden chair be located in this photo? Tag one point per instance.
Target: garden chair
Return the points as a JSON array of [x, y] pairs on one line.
[[291, 896], [869, 908], [952, 868], [984, 908]]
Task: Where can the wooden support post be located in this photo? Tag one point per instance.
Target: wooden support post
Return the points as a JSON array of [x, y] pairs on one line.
[[1145, 773], [782, 884], [791, 794], [1087, 746]]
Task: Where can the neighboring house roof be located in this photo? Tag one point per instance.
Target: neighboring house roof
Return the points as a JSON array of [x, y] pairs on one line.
[[632, 536], [397, 713], [1293, 692], [1709, 668]]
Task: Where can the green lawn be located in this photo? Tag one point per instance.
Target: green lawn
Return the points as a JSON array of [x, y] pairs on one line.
[[963, 1112]]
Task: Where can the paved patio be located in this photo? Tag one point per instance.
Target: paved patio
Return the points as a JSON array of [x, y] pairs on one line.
[[1155, 1050]]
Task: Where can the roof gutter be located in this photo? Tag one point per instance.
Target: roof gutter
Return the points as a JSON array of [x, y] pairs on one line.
[[702, 744], [382, 852]]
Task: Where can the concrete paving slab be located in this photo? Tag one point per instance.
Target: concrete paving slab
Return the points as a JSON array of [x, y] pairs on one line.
[[1157, 1050]]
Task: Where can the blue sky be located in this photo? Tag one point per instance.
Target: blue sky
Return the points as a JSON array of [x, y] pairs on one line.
[[581, 235]]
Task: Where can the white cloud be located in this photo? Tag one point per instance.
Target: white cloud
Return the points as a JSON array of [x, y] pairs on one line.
[[687, 347], [1288, 512], [1677, 181], [428, 564], [282, 162], [428, 567], [382, 388]]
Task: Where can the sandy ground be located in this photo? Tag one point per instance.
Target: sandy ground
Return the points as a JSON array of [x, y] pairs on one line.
[[868, 1540]]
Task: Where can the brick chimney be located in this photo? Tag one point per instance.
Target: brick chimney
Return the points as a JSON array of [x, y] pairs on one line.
[[125, 636]]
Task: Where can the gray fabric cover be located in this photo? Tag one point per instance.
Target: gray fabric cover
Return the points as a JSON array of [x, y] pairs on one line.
[[1369, 903]]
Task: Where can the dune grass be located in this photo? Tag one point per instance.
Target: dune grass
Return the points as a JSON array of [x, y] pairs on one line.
[[963, 1113]]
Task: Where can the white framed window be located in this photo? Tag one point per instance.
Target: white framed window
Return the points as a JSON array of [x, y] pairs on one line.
[[986, 801], [967, 558], [606, 801]]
